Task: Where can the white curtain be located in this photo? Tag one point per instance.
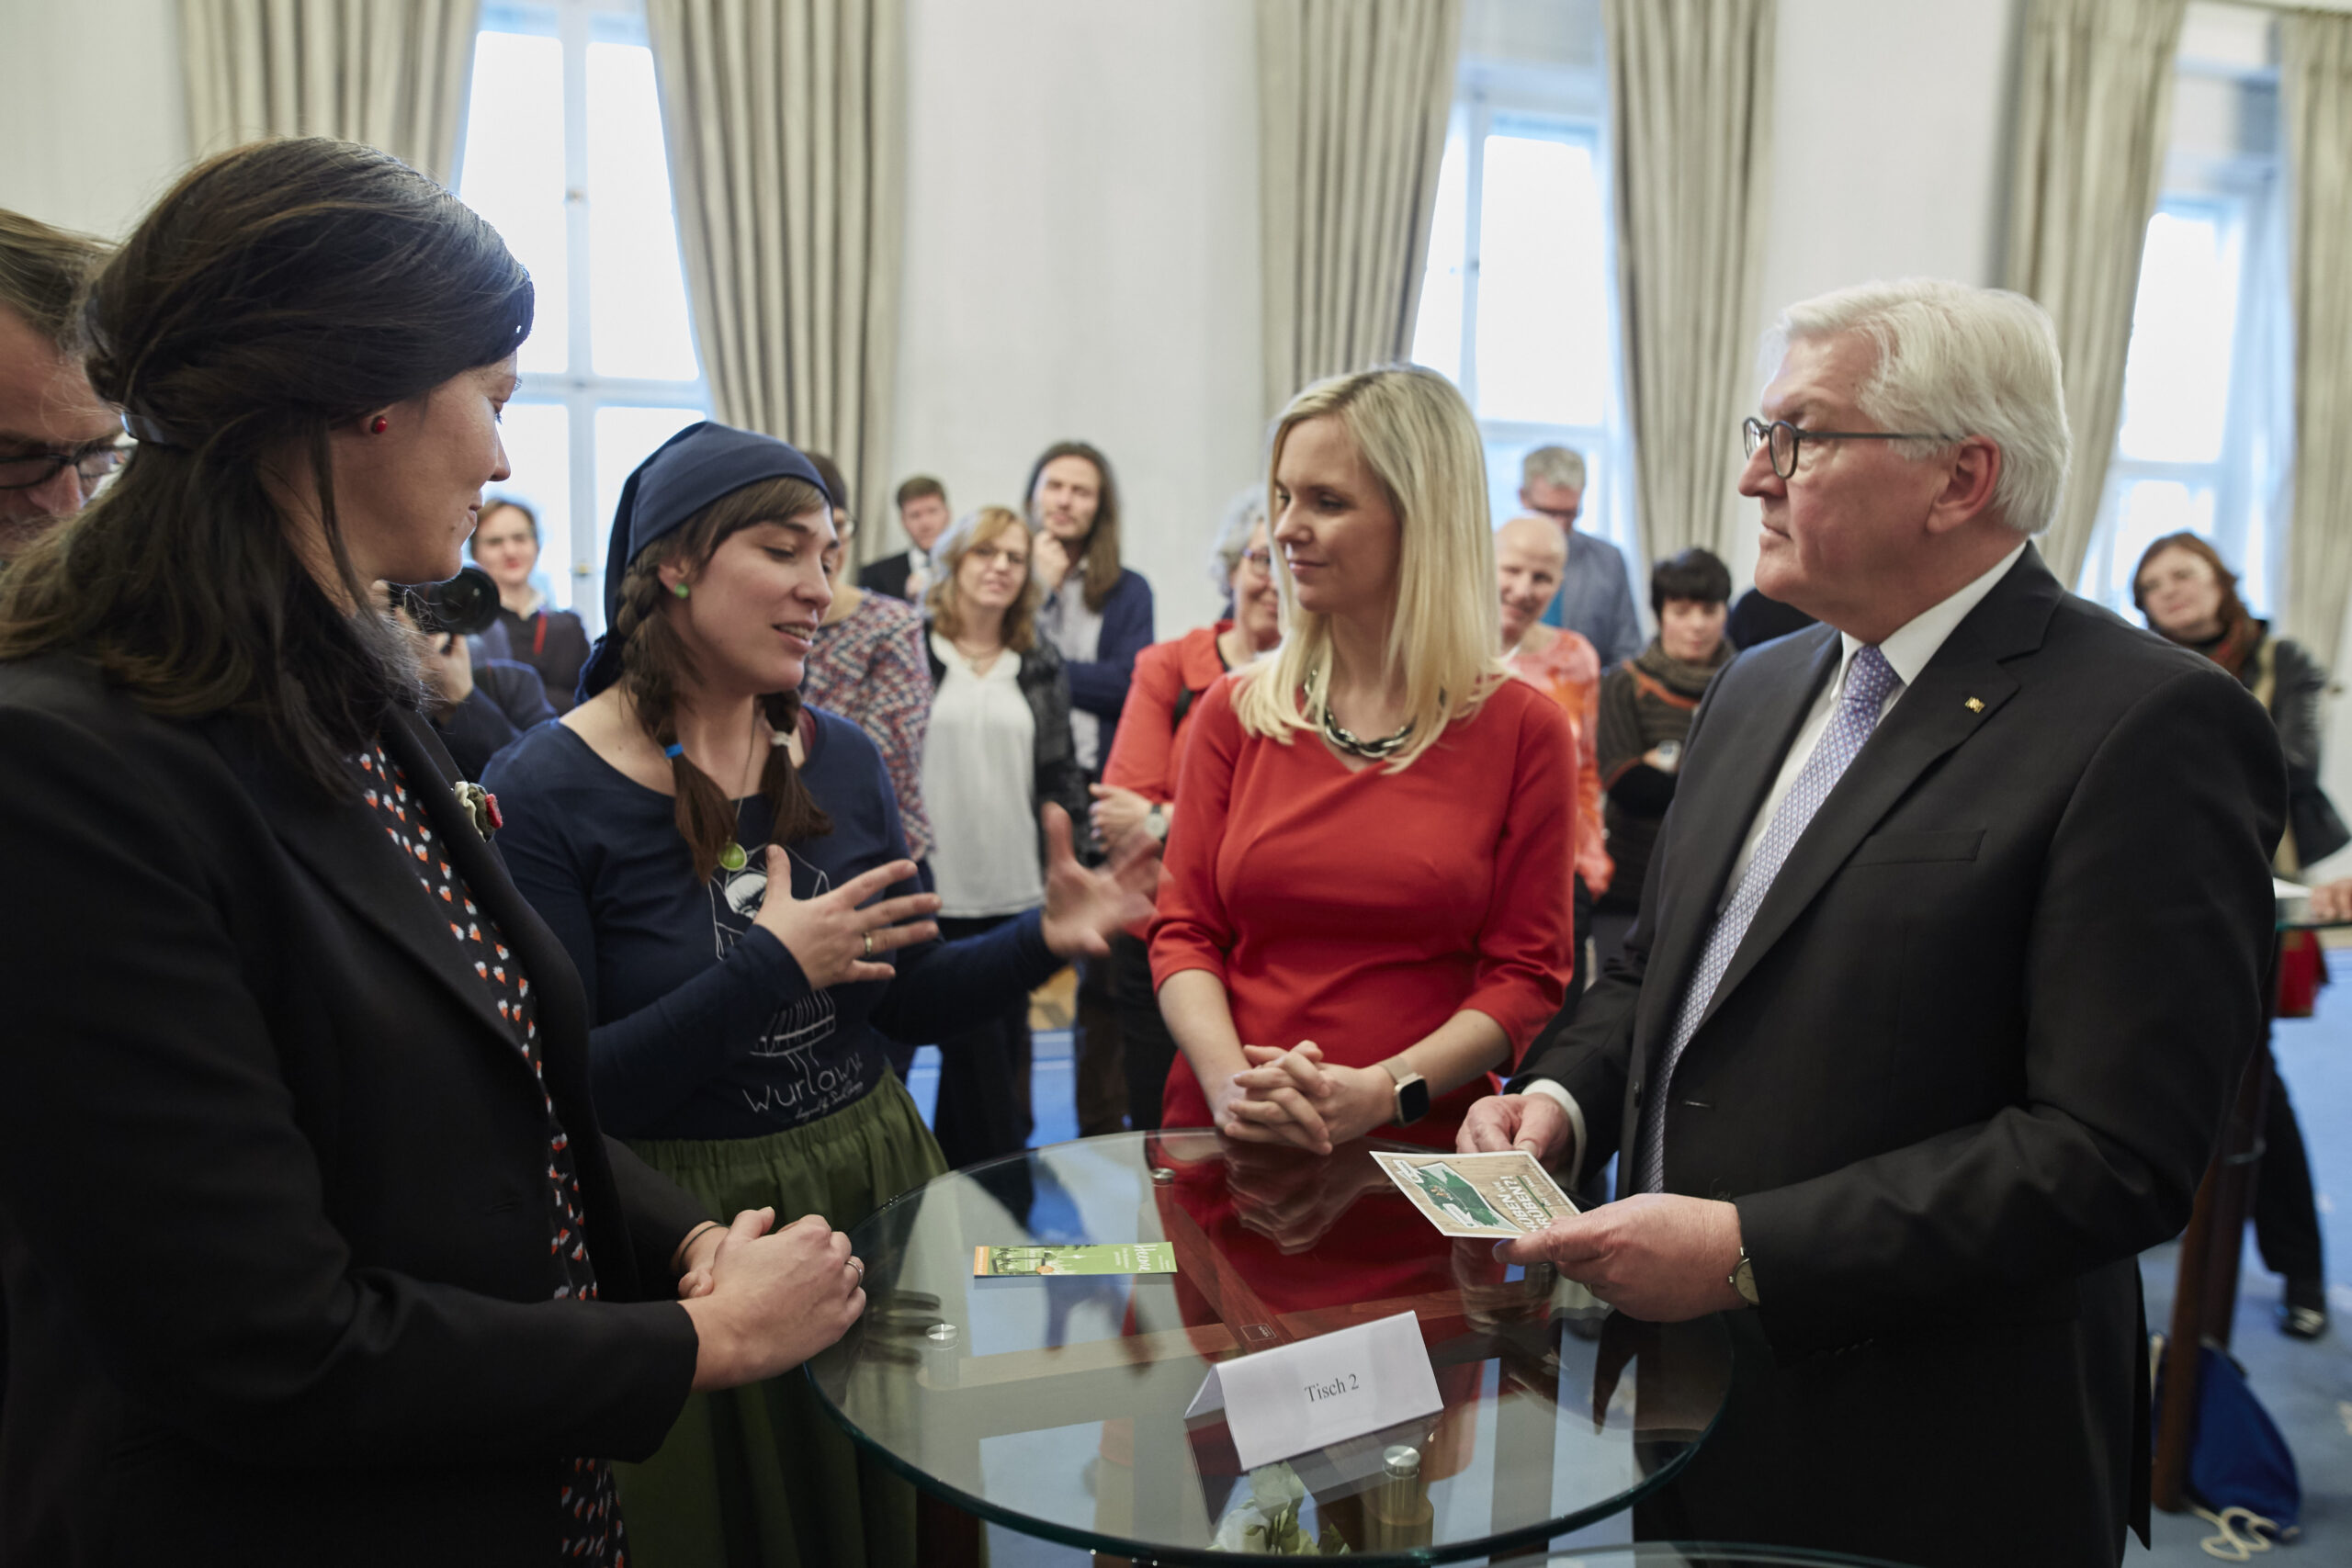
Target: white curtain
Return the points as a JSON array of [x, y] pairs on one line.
[[393, 73], [783, 122], [1690, 103], [2094, 108], [2315, 100], [1354, 97]]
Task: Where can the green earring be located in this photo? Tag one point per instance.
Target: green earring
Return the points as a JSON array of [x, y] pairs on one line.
[[680, 589]]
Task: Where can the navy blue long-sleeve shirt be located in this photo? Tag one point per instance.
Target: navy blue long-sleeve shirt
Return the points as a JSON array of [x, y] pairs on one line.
[[1099, 685], [704, 1025]]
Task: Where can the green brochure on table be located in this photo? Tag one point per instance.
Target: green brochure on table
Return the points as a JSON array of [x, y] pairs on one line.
[[1115, 1257]]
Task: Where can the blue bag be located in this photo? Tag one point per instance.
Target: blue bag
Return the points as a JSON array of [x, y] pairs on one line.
[[2238, 1460]]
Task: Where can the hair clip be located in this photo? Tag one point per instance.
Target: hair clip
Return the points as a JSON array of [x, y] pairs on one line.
[[673, 749]]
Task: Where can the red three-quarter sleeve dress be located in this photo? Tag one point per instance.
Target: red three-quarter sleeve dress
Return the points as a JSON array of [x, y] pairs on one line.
[[1362, 908]]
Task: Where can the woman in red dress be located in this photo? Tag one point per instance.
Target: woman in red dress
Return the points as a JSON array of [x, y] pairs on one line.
[[1367, 905]]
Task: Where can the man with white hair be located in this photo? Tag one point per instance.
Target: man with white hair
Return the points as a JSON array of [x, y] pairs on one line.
[[1950, 958], [1596, 596]]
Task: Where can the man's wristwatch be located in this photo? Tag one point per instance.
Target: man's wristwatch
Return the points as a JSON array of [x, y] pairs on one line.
[[1743, 1280], [1155, 821], [1412, 1092]]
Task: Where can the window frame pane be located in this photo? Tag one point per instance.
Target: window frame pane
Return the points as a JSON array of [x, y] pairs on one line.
[[580, 390], [1566, 103]]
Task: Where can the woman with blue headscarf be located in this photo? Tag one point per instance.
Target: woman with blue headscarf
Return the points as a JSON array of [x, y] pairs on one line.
[[729, 871]]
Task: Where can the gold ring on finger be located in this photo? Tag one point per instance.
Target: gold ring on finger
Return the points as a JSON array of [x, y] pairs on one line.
[[867, 938]]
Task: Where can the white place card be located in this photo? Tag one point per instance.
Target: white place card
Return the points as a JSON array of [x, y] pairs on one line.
[[1321, 1391]]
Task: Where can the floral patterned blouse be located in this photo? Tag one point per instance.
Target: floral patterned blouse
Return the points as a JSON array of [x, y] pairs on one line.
[[869, 667]]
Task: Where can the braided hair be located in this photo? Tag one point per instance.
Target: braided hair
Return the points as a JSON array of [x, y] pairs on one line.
[[656, 667]]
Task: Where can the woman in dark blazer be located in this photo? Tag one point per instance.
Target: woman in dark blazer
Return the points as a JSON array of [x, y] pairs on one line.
[[311, 1245]]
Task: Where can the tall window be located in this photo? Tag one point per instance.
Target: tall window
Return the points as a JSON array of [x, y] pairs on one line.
[[1516, 305], [2202, 442], [564, 155]]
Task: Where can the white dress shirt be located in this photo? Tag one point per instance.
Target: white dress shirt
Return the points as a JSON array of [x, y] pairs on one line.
[[1906, 651]]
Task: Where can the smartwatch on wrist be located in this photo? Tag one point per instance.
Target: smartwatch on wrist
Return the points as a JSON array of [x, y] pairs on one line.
[[1412, 1092]]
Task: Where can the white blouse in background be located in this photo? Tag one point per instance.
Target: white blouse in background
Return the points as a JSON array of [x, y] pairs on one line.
[[979, 770]]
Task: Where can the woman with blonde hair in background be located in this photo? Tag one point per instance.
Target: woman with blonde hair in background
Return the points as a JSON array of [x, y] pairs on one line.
[[999, 750], [1367, 903]]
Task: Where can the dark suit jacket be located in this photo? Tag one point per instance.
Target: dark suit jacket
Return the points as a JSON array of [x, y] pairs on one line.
[[888, 576], [1970, 1059], [273, 1197], [1099, 685]]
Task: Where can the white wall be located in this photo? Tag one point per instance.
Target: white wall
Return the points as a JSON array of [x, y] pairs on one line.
[[1082, 261], [1890, 154], [94, 117]]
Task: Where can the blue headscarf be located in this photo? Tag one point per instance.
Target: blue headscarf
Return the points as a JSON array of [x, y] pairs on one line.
[[686, 473]]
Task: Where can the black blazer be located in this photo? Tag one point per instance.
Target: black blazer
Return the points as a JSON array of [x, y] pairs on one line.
[[1970, 1059], [888, 576], [273, 1223]]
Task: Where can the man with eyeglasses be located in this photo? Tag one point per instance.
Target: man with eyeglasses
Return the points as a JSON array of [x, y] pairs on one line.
[[57, 441], [1596, 597], [1948, 959]]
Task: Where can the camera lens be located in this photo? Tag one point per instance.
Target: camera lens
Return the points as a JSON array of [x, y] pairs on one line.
[[466, 606]]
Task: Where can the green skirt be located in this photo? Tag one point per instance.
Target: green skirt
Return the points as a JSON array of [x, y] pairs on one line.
[[762, 1477]]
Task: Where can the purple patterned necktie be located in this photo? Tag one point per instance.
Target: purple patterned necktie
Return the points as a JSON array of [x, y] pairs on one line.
[[1869, 682]]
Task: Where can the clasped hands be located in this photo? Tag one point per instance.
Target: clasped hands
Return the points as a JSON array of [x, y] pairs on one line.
[[1658, 1255], [764, 1301], [1295, 1097]]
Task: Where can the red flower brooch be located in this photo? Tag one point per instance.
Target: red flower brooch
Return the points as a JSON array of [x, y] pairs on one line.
[[482, 808]]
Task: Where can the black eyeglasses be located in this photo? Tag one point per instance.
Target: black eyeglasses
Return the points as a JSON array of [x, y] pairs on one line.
[[1784, 437], [37, 468]]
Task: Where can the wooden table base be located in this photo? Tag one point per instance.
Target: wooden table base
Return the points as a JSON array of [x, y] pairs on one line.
[[2205, 1295]]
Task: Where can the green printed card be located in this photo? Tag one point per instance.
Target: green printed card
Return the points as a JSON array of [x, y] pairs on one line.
[[1113, 1258], [1485, 1195]]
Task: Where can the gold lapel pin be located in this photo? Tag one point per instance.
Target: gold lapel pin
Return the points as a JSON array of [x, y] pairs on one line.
[[1974, 705]]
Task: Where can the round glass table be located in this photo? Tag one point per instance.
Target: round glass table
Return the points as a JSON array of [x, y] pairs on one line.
[[1689, 1555], [1055, 1405]]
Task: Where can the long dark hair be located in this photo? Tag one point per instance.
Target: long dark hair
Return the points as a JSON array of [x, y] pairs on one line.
[[655, 667], [1102, 557], [276, 291]]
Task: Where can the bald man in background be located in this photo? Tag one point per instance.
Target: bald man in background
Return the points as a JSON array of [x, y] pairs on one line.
[[57, 440]]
